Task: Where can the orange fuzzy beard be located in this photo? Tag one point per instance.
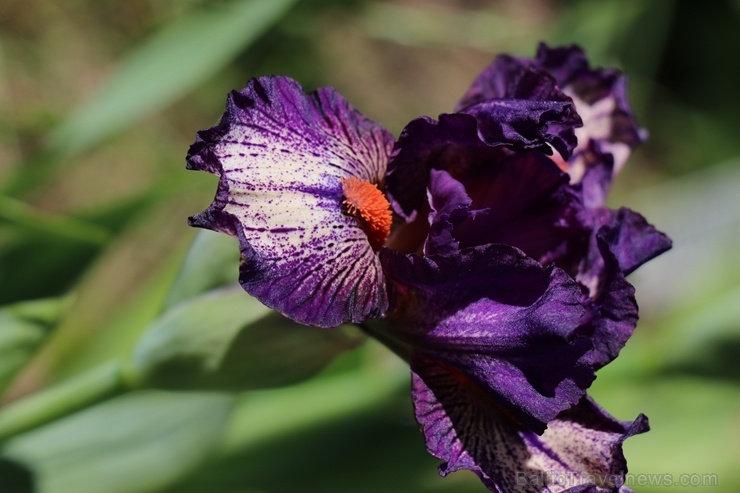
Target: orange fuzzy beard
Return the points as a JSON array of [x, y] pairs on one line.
[[365, 201]]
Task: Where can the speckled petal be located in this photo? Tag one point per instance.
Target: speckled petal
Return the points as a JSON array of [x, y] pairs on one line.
[[498, 318], [281, 156], [580, 451]]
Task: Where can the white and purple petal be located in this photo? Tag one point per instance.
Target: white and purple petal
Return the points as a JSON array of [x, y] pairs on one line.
[[580, 451], [501, 319], [281, 156]]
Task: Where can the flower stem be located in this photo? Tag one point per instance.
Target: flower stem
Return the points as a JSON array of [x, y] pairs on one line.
[[96, 385]]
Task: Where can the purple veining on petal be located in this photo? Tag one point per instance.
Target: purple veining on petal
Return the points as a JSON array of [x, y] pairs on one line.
[[281, 156], [581, 450], [499, 318]]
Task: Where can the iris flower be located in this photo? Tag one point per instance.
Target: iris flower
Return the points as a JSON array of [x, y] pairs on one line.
[[476, 246]]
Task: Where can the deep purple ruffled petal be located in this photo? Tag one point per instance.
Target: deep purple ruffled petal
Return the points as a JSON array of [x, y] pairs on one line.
[[509, 79], [529, 124], [450, 206], [621, 242], [612, 311], [580, 451], [527, 202], [497, 317], [281, 156], [632, 239], [599, 95], [483, 134]]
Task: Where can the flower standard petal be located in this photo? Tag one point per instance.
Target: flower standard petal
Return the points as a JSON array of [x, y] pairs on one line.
[[282, 157], [580, 451], [482, 133], [599, 95]]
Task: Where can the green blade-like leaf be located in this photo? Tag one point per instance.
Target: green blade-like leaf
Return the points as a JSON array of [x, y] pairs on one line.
[[23, 329], [161, 70], [227, 340], [139, 442], [212, 261], [166, 67]]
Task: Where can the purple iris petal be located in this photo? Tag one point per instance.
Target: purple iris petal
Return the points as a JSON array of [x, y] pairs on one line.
[[622, 241], [281, 156], [599, 95], [450, 206], [484, 132], [525, 201], [501, 319], [507, 78], [580, 451], [612, 311]]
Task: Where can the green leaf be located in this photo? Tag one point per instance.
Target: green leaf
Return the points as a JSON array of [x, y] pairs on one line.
[[227, 340], [212, 261], [166, 67], [23, 329], [139, 442], [160, 71], [25, 217]]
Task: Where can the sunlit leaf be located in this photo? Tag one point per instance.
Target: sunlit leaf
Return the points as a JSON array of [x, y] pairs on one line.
[[693, 432], [167, 66], [229, 341], [159, 71], [212, 261], [23, 329], [135, 443]]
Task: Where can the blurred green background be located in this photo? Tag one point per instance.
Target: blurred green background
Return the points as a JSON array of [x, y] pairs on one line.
[[99, 101]]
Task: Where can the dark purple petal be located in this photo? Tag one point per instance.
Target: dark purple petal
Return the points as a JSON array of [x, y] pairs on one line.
[[528, 124], [612, 312], [526, 202], [599, 95], [622, 241], [450, 206], [512, 78], [580, 451], [481, 135], [497, 317], [507, 78], [632, 239], [281, 156]]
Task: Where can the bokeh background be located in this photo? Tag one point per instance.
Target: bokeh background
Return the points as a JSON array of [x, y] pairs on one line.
[[99, 101]]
